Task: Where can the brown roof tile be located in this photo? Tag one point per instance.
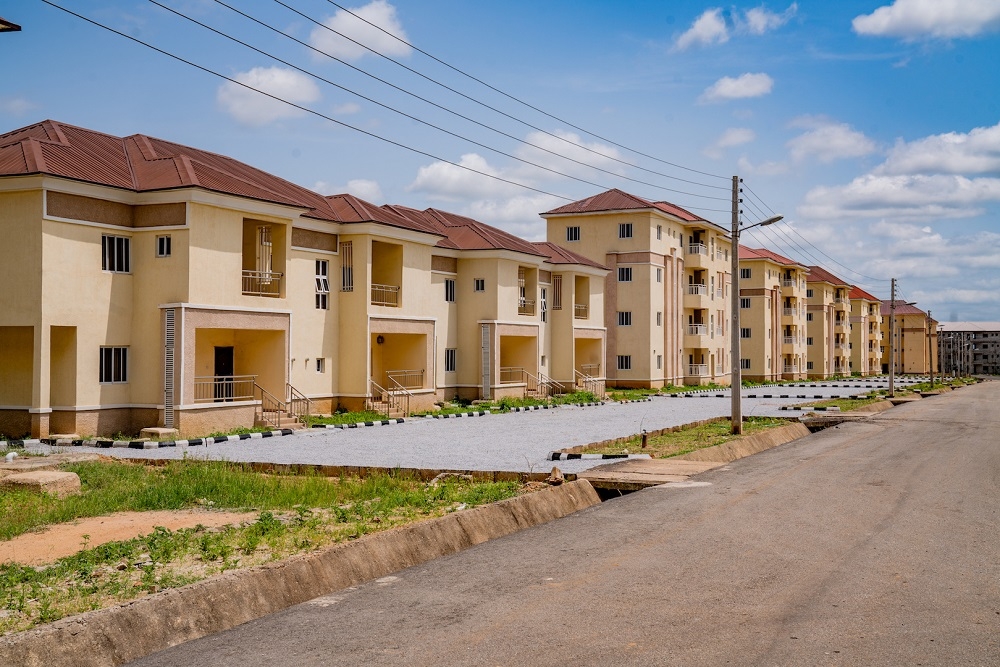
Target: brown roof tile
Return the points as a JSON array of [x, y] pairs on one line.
[[559, 255], [818, 274], [617, 200], [858, 293], [902, 308], [764, 253]]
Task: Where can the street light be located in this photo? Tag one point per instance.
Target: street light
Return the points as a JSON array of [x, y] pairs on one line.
[[734, 304]]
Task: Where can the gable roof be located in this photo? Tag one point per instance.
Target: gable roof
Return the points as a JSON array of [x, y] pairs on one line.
[[818, 274], [350, 209], [464, 233], [617, 200], [559, 255], [141, 163], [763, 253], [902, 308], [858, 293]]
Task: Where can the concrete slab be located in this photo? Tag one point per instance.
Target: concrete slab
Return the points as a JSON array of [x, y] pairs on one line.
[[635, 474], [56, 482]]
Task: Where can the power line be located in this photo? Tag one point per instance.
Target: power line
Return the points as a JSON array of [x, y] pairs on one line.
[[499, 111]]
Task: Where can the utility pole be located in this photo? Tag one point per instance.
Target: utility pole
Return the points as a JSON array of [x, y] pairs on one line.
[[892, 340], [930, 352], [735, 368]]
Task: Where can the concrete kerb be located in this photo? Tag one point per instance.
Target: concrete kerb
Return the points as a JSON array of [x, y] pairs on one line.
[[114, 636], [747, 446], [144, 444]]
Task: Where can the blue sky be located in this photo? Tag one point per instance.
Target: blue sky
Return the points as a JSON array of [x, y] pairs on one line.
[[874, 127]]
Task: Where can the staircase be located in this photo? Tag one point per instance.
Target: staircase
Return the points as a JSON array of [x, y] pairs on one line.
[[393, 402], [276, 414]]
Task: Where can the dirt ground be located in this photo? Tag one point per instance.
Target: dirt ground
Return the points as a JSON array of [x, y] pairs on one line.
[[66, 539]]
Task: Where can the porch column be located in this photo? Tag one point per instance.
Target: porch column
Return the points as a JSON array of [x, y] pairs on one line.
[[40, 380]]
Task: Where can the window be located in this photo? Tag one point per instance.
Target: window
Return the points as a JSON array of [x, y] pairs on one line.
[[744, 333], [557, 291], [809, 317], [659, 362], [320, 365], [572, 233], [322, 285], [744, 302], [163, 246], [809, 340], [625, 230], [543, 304], [745, 364], [624, 362], [809, 365], [449, 290], [114, 365], [624, 318], [480, 285], [809, 294], [624, 274], [347, 266], [744, 274], [659, 275], [116, 253], [450, 360], [659, 232], [659, 318]]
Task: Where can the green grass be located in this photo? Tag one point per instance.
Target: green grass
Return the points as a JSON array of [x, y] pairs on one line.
[[297, 514], [345, 418], [690, 439], [845, 404]]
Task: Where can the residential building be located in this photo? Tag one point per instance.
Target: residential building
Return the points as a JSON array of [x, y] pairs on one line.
[[828, 324], [150, 283], [865, 333], [773, 338], [915, 339], [969, 348], [666, 293]]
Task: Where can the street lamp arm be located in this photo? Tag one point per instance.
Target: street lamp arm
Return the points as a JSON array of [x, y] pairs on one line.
[[764, 223]]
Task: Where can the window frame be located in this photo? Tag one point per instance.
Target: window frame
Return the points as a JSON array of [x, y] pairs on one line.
[[745, 302], [111, 246], [573, 234], [745, 273], [479, 285], [624, 318], [625, 271], [451, 360], [746, 332], [119, 369], [624, 362], [322, 279], [449, 290], [163, 245], [625, 230]]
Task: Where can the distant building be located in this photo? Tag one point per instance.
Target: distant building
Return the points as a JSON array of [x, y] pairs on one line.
[[866, 333], [969, 348], [828, 323], [916, 339]]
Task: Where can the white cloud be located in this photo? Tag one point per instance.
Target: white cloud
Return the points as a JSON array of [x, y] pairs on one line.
[[759, 20], [346, 109], [764, 168], [445, 181], [251, 108], [733, 136], [359, 187], [565, 143], [743, 86], [977, 152], [828, 141], [16, 106], [709, 28], [379, 13], [943, 19]]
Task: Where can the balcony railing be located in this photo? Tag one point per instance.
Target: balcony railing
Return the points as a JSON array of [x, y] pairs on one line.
[[788, 282], [697, 370], [262, 283], [408, 379], [697, 330], [698, 288], [385, 295], [224, 388], [511, 375], [840, 323], [789, 312], [593, 370], [581, 311], [718, 331], [788, 368], [840, 300], [789, 340], [698, 249], [525, 307]]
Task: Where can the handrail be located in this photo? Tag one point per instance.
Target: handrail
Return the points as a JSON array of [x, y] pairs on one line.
[[262, 283], [549, 385], [385, 295], [407, 379], [270, 407], [299, 404], [395, 397], [589, 383], [223, 388], [581, 311]]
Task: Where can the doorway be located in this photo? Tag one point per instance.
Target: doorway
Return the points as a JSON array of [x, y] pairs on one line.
[[223, 390]]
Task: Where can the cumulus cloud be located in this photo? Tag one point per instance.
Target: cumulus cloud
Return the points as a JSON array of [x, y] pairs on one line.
[[359, 187], [760, 20], [920, 19], [709, 28], [767, 168], [827, 141], [16, 106], [346, 109], [445, 181], [251, 108], [712, 26], [572, 146], [379, 13], [975, 152], [743, 86], [733, 136]]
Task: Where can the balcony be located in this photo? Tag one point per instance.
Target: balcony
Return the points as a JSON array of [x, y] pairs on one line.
[[697, 330], [262, 283], [789, 340], [697, 370], [789, 282], [788, 368], [581, 311], [697, 256], [698, 289], [224, 388], [405, 379], [789, 312], [385, 295], [525, 307], [698, 249]]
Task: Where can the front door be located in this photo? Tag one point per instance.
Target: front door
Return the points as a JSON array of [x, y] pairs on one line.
[[223, 374]]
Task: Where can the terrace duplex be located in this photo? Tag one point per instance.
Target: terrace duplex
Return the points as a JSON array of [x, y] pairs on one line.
[[160, 284]]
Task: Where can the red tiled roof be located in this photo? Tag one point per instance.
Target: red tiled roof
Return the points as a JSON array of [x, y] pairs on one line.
[[858, 293], [350, 209], [617, 200], [142, 164], [559, 255], [764, 253], [902, 308], [818, 274], [466, 233]]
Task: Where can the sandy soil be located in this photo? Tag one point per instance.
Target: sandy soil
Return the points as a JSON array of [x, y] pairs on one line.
[[66, 539]]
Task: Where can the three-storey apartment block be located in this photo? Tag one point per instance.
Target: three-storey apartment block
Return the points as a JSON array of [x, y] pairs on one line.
[[828, 324], [866, 333], [665, 305], [915, 338]]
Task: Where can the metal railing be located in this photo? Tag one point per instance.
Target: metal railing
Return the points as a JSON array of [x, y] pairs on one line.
[[789, 340], [548, 387], [581, 311], [262, 283], [525, 307], [224, 388], [698, 288], [789, 369], [789, 312], [697, 370], [385, 295], [407, 379], [298, 404], [394, 400], [270, 409], [587, 382], [789, 282], [697, 249], [697, 330], [594, 370], [511, 375]]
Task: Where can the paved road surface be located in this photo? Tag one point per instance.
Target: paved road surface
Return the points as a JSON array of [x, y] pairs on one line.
[[873, 543]]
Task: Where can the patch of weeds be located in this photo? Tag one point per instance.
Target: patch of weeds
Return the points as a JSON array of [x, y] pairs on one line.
[[689, 439], [345, 418]]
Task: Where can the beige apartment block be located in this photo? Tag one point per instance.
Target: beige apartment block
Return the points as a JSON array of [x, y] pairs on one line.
[[866, 333], [157, 284], [916, 339], [666, 294], [828, 324], [772, 316]]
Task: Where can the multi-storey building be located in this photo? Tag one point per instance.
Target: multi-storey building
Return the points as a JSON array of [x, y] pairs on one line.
[[915, 336], [828, 324], [772, 316], [969, 348], [866, 333], [156, 284], [666, 293]]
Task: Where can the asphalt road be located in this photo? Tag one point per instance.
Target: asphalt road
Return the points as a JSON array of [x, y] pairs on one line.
[[873, 543]]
